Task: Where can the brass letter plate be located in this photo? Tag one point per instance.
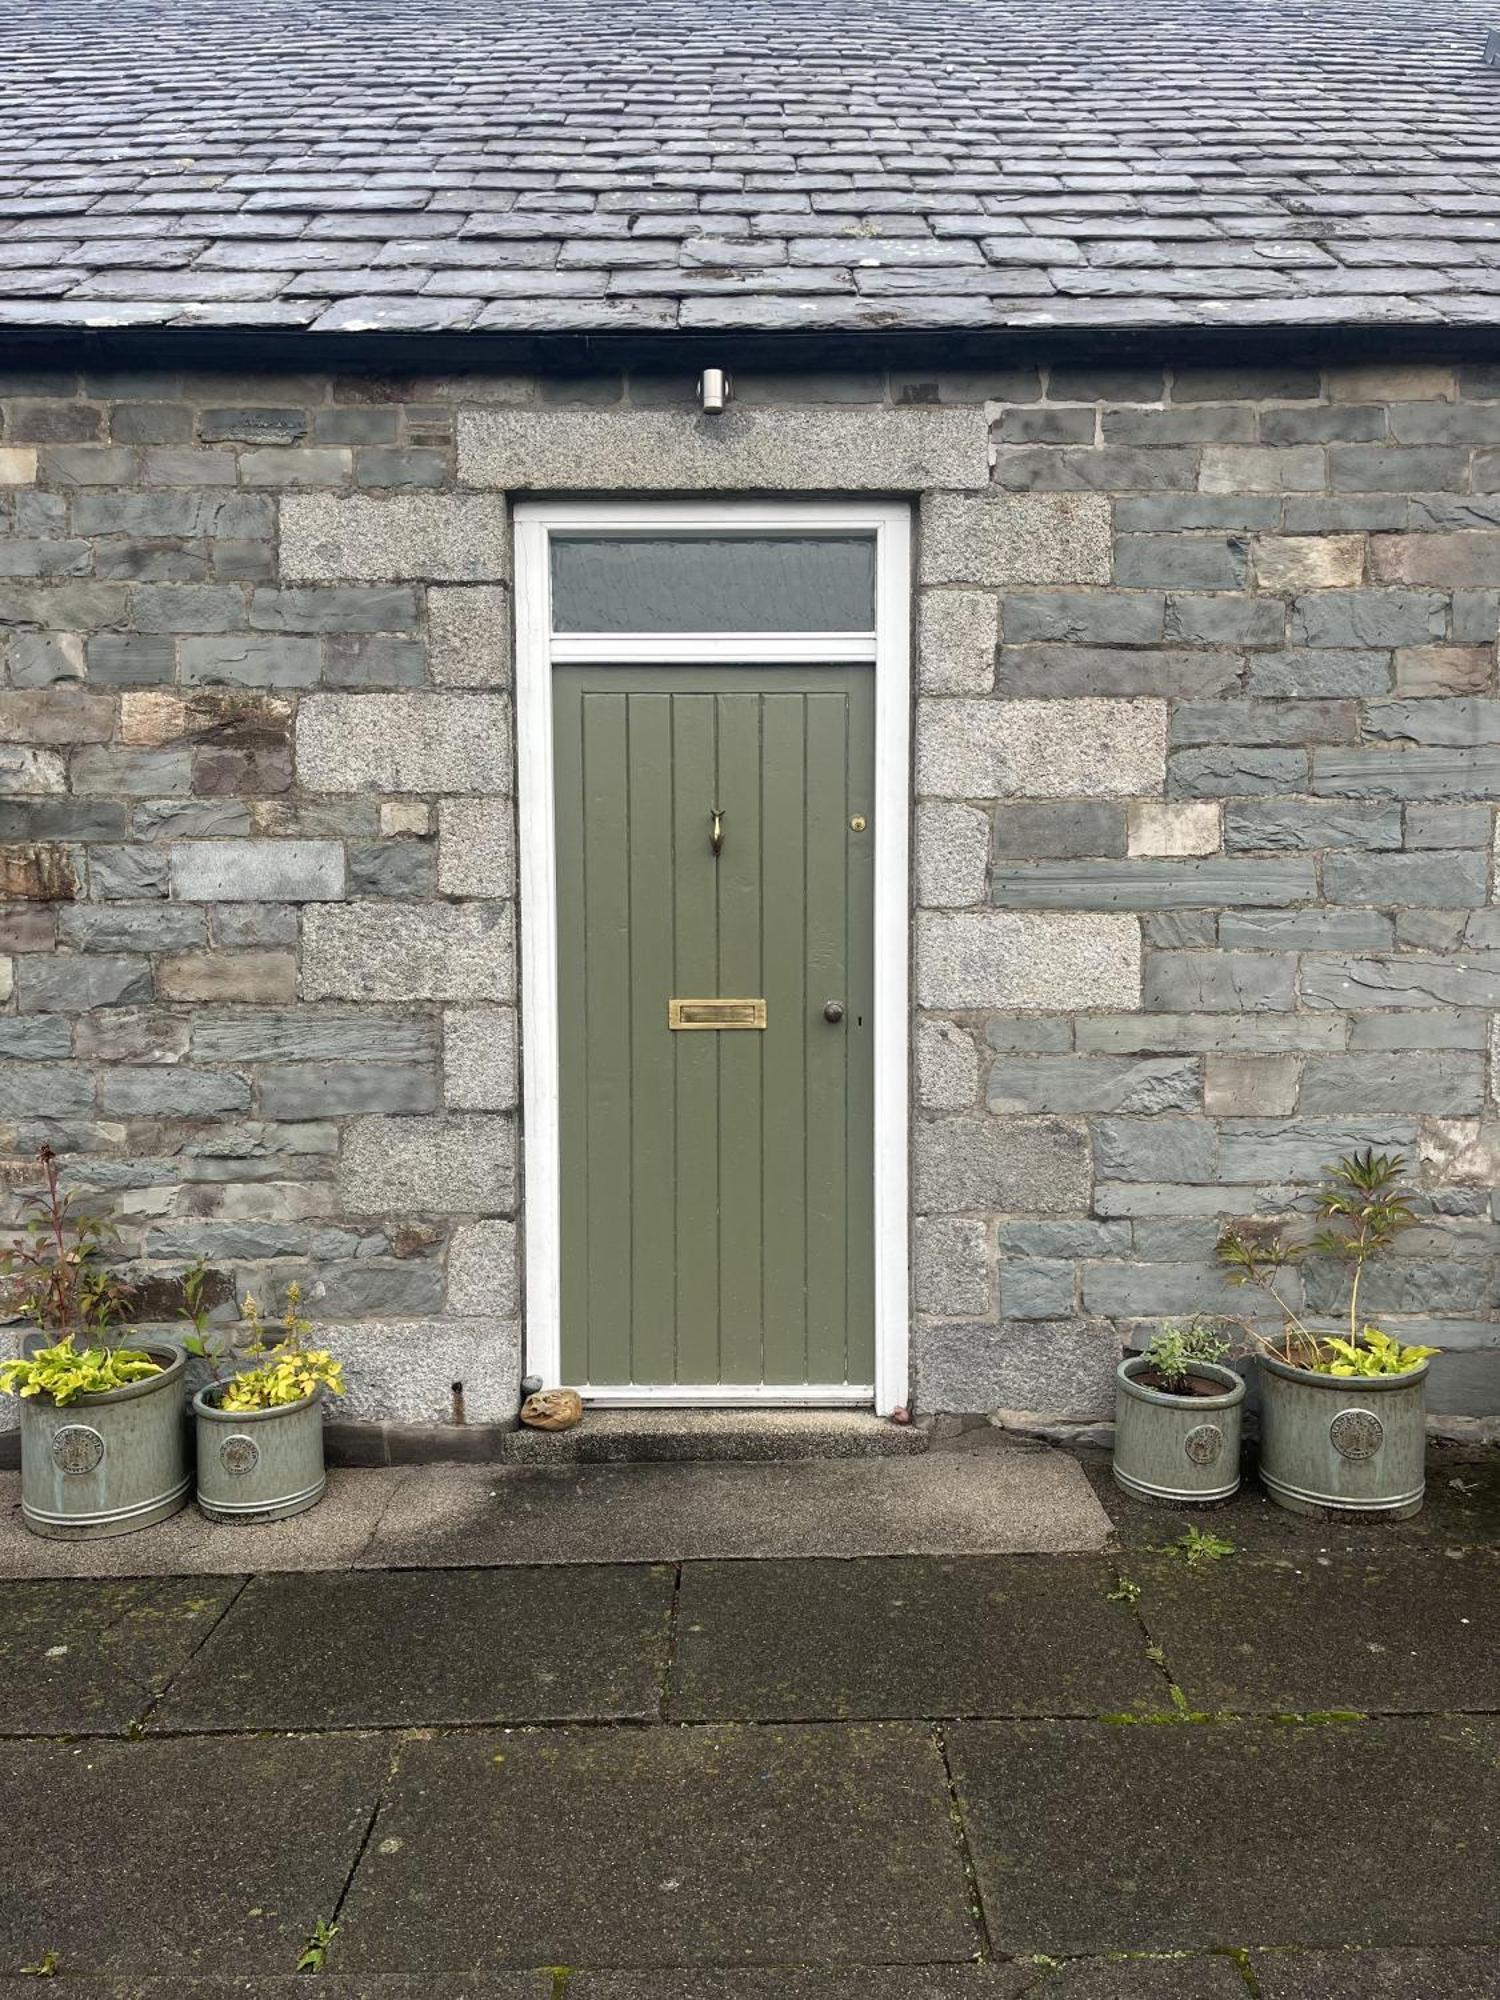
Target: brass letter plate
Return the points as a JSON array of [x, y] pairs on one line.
[[716, 1013]]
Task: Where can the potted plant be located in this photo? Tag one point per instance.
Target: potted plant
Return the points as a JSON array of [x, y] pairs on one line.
[[103, 1442], [260, 1428], [1343, 1422], [1177, 1416]]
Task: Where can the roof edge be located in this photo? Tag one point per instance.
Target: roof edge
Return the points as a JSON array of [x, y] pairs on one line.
[[265, 350]]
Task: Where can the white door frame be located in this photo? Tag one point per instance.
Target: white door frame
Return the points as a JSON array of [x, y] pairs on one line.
[[537, 652]]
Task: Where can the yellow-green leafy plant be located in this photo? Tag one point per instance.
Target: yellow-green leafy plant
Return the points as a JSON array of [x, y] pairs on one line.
[[56, 1278], [1374, 1353], [286, 1369], [64, 1373], [1365, 1207]]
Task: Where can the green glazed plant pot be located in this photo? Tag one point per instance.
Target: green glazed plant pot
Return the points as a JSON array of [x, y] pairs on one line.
[[259, 1465], [107, 1464], [1177, 1448], [1343, 1441]]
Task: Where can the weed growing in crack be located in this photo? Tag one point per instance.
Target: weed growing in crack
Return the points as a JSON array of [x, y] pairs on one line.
[[1201, 1545], [315, 1952]]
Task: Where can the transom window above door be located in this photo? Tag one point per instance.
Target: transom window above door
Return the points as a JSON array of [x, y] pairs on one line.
[[603, 583]]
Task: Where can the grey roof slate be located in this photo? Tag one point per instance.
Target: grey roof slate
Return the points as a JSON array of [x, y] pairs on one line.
[[566, 165]]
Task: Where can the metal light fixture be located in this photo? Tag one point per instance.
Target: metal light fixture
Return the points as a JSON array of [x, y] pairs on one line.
[[714, 391]]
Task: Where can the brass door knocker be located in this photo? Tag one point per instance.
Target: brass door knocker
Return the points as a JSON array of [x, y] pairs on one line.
[[716, 830]]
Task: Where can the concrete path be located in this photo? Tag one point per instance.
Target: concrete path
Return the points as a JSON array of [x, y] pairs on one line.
[[994, 1498], [1116, 1775]]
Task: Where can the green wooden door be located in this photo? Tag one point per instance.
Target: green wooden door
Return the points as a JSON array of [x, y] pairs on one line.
[[717, 1184]]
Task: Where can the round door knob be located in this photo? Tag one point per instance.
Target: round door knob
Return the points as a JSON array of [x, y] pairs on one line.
[[833, 1010]]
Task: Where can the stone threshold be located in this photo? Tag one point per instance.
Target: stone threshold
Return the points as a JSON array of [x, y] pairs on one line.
[[750, 1436]]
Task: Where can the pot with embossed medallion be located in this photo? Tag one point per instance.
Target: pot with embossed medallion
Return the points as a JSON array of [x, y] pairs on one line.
[[1177, 1439], [1343, 1413], [110, 1462], [103, 1436], [258, 1465], [1358, 1442], [260, 1427]]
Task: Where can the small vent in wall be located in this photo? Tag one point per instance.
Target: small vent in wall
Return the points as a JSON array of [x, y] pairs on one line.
[[1492, 48]]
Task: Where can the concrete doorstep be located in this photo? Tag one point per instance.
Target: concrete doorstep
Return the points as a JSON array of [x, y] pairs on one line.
[[992, 1501]]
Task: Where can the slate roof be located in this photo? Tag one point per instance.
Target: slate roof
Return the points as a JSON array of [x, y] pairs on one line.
[[545, 165]]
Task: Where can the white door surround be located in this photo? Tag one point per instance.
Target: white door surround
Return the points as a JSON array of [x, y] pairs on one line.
[[537, 652]]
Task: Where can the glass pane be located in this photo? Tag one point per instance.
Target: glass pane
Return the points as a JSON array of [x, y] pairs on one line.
[[713, 583]]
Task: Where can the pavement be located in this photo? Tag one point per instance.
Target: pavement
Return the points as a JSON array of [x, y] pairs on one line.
[[715, 1768]]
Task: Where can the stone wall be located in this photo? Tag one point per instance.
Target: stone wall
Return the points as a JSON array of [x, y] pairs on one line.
[[1205, 854], [1203, 848], [259, 849]]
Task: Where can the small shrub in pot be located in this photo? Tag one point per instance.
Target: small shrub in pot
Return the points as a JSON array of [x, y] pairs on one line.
[[260, 1427], [103, 1441], [1343, 1421], [1177, 1416]]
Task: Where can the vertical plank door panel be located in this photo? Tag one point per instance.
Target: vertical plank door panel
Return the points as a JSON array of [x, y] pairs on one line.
[[572, 1028], [859, 1072], [784, 1114], [606, 1053], [694, 780], [741, 912], [826, 812], [653, 1083]]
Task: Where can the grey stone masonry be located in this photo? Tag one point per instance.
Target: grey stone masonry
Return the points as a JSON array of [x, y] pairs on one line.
[[1207, 749], [1253, 738], [257, 949]]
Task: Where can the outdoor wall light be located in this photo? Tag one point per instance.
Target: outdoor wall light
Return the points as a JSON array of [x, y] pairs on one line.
[[714, 390]]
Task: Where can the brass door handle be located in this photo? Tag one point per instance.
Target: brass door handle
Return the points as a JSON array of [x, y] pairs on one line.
[[833, 1010]]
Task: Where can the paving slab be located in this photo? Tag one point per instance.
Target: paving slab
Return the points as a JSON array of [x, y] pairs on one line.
[[1178, 1978], [1452, 1974], [1150, 1977], [994, 1503], [626, 1848], [329, 1536], [1461, 1510], [908, 1636], [1405, 1631], [1146, 1978], [1088, 1837], [185, 1857], [539, 1985], [865, 1982], [1080, 1979], [370, 1648], [91, 1657]]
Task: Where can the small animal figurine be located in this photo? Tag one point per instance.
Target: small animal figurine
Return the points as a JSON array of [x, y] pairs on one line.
[[552, 1410]]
